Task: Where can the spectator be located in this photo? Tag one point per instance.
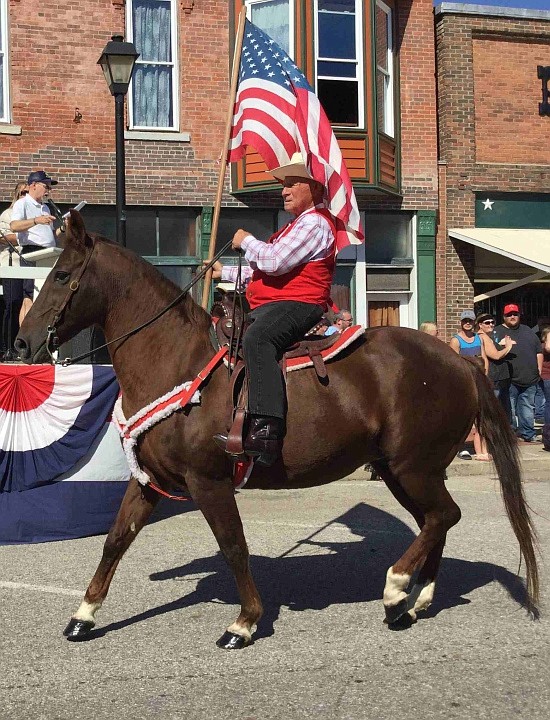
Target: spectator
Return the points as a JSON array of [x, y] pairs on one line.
[[32, 221], [468, 344], [430, 328], [540, 401], [525, 361], [545, 373], [499, 370], [342, 321], [13, 289]]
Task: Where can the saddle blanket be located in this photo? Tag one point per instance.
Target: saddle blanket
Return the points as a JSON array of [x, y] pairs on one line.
[[347, 337], [342, 341]]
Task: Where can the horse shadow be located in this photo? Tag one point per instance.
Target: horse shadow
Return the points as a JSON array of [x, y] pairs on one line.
[[316, 573]]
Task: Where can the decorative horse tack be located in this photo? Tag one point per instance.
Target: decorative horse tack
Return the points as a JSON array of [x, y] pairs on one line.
[[178, 398], [386, 404], [188, 394]]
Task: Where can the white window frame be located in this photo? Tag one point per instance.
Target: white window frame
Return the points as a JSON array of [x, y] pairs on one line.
[[6, 116], [389, 74], [174, 64], [291, 24], [359, 51]]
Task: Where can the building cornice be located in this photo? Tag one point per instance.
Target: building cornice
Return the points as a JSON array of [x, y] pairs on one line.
[[452, 8]]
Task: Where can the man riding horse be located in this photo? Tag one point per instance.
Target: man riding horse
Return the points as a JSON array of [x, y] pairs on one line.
[[288, 290]]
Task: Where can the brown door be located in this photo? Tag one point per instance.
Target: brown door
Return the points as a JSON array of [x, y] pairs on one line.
[[383, 312]]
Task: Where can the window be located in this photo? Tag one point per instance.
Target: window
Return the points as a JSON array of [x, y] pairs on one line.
[[338, 49], [384, 68], [275, 19], [4, 75], [151, 231], [260, 223], [154, 90], [389, 238]]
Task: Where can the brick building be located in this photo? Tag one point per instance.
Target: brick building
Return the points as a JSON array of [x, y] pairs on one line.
[[494, 232], [372, 63]]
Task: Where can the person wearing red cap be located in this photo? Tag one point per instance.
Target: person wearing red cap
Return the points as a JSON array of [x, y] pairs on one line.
[[525, 361]]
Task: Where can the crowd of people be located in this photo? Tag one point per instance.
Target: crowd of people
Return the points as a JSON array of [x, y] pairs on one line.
[[516, 358], [26, 226]]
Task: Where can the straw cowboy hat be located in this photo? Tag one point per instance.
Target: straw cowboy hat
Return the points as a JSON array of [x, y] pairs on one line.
[[295, 168]]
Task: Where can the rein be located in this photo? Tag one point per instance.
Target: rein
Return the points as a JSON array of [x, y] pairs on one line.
[[52, 341]]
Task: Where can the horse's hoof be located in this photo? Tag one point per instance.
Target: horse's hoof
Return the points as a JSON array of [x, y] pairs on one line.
[[232, 641], [395, 612], [402, 623], [78, 629]]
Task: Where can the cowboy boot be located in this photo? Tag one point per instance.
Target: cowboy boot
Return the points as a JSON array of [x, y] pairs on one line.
[[262, 441]]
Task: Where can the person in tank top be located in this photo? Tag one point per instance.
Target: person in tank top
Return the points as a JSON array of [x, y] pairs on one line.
[[468, 344]]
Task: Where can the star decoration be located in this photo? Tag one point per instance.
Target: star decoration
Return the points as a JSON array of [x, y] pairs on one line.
[[488, 204]]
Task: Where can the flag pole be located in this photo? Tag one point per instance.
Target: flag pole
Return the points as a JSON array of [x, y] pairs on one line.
[[223, 160]]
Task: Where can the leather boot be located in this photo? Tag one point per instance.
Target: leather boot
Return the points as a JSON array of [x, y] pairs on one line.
[[262, 441]]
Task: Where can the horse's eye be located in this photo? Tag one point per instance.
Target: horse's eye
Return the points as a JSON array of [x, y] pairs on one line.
[[61, 277]]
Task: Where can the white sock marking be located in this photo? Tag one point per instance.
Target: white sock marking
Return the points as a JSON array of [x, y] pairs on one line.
[[87, 611], [394, 590]]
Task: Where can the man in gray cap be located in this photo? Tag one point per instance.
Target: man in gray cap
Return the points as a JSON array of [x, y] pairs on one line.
[[32, 222]]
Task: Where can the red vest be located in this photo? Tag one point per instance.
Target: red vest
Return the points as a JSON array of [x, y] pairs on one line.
[[309, 282]]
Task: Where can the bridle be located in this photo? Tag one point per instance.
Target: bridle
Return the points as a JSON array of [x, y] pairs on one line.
[[52, 340]]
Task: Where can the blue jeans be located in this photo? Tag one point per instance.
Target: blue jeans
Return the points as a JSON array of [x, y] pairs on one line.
[[502, 393], [546, 428], [523, 407], [540, 402]]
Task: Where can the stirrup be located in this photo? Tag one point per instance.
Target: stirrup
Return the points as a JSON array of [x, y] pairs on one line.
[[221, 441]]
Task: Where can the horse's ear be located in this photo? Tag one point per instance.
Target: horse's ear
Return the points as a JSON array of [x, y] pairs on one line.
[[76, 231]]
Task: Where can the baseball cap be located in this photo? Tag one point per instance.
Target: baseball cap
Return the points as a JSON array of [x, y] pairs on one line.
[[511, 308], [467, 315], [40, 176]]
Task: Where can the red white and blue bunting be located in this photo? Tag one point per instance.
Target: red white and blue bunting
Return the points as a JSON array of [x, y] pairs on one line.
[[62, 470]]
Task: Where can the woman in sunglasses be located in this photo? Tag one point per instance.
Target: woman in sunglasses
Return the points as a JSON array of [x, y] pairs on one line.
[[499, 369]]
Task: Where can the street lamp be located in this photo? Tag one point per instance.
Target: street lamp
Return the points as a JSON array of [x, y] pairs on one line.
[[117, 62]]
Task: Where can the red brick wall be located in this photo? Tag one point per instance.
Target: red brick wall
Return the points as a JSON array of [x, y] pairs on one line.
[[507, 93], [467, 47], [418, 104], [55, 45]]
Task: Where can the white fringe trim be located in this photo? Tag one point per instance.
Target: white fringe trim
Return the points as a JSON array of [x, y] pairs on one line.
[[129, 443]]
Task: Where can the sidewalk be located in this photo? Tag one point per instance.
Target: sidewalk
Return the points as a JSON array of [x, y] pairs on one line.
[[535, 463]]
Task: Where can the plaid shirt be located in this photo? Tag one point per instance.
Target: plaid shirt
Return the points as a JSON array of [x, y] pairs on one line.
[[306, 239]]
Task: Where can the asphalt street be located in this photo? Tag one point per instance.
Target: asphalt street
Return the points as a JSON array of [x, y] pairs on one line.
[[321, 650]]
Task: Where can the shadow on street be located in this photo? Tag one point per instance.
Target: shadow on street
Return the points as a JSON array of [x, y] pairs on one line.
[[318, 574]]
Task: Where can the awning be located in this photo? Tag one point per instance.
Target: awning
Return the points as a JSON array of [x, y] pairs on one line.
[[530, 247]]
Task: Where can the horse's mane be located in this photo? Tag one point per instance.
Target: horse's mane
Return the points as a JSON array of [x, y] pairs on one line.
[[191, 311]]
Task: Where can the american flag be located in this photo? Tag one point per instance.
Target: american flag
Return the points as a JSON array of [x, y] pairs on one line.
[[277, 113]]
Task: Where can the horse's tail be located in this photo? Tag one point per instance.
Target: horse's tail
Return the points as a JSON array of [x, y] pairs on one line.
[[494, 427]]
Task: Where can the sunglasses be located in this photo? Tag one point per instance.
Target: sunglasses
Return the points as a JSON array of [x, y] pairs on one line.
[[514, 314], [487, 322]]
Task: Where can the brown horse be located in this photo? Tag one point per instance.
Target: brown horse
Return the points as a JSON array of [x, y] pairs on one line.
[[396, 398]]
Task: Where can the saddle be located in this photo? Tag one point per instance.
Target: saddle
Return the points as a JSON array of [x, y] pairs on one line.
[[230, 325]]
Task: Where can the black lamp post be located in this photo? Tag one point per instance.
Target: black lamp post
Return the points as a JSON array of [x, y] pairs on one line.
[[117, 62]]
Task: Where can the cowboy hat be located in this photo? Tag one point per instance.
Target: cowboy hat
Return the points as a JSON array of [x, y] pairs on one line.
[[295, 168]]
